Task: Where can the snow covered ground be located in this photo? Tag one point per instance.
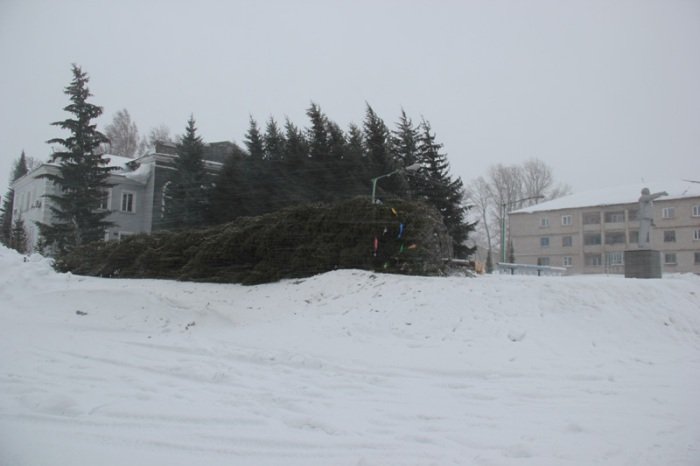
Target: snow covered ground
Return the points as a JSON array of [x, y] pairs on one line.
[[348, 368]]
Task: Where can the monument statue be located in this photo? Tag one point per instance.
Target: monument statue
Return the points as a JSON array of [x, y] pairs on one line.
[[646, 216]]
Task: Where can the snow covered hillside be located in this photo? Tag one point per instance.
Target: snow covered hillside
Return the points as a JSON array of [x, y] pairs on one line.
[[348, 368]]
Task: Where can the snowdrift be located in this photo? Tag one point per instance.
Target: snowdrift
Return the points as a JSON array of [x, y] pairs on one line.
[[347, 368]]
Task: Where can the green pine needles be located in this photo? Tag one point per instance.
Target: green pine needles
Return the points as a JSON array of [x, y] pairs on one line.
[[82, 175]]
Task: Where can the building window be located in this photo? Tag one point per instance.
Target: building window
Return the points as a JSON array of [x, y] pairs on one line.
[[696, 235], [567, 241], [614, 258], [566, 220], [670, 258], [567, 261], [615, 217], [632, 215], [696, 210], [634, 236], [669, 236], [128, 202], [668, 212], [543, 261], [544, 222], [124, 234], [616, 237], [104, 199], [592, 260], [591, 239], [591, 218], [697, 258], [544, 242]]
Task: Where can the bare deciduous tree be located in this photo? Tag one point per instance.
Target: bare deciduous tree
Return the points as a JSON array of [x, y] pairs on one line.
[[159, 134], [507, 188], [123, 135], [538, 181]]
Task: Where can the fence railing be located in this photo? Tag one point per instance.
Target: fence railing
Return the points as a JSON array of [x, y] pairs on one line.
[[527, 269]]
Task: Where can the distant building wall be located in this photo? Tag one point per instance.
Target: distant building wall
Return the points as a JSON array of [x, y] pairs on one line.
[[591, 239]]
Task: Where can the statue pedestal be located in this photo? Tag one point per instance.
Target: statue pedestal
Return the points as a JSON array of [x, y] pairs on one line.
[[642, 263]]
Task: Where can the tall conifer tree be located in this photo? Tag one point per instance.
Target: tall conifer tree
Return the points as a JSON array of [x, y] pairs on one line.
[[354, 149], [404, 141], [404, 145], [82, 176], [436, 186], [296, 162], [254, 141], [379, 156], [296, 149], [273, 141], [228, 195], [188, 191], [317, 134], [319, 140], [19, 171]]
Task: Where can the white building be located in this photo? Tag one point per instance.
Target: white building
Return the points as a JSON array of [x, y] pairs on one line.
[[135, 201], [588, 232]]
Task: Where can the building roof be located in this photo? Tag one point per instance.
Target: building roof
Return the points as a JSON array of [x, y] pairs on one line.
[[615, 195]]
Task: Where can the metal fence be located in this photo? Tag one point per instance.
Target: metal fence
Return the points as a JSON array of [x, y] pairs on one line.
[[526, 269]]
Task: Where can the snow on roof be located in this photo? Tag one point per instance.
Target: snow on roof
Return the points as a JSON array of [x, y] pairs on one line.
[[117, 160], [615, 195], [140, 173]]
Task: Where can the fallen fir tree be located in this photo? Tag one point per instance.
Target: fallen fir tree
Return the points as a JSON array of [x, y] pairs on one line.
[[399, 237]]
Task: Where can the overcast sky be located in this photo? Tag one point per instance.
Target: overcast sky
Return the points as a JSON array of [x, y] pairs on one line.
[[606, 92]]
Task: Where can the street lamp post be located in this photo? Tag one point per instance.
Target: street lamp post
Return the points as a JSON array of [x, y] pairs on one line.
[[503, 222], [410, 168]]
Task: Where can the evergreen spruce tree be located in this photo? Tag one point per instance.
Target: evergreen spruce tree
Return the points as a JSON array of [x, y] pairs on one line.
[[188, 190], [254, 141], [228, 195], [317, 134], [299, 186], [404, 144], [18, 237], [404, 141], [296, 149], [354, 149], [257, 185], [436, 186], [320, 180], [19, 171], [355, 162], [336, 142], [338, 178], [379, 155], [82, 175], [273, 141]]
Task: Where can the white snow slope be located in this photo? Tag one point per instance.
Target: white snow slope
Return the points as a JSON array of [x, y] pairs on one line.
[[348, 368]]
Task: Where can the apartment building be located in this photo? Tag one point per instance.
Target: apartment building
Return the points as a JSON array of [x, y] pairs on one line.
[[589, 232]]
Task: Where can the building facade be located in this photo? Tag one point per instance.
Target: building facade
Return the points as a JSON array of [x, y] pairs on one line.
[[589, 232], [136, 200]]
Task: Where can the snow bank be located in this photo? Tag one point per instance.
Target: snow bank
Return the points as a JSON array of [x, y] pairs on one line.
[[348, 368]]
